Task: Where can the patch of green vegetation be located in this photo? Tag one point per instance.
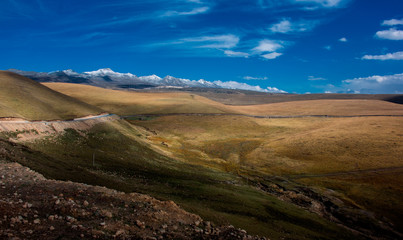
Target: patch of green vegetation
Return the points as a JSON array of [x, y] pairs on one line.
[[128, 165], [379, 192], [14, 134]]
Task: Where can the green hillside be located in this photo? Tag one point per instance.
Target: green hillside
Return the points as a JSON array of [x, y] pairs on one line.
[[22, 97]]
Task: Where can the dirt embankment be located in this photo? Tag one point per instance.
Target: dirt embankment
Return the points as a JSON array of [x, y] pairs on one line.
[[26, 130], [33, 207]]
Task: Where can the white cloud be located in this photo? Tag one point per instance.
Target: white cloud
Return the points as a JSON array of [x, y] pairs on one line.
[[285, 26], [236, 54], [390, 34], [244, 86], [275, 90], [375, 84], [272, 55], [388, 56], [343, 39], [393, 22], [195, 1], [194, 11], [324, 3], [255, 78], [328, 47], [218, 41], [313, 78], [267, 45]]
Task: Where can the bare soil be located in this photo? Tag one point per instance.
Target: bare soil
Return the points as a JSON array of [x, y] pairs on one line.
[[33, 207]]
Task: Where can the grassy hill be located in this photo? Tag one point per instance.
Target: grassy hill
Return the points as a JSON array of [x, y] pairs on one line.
[[223, 167], [357, 159], [118, 155], [21, 97], [345, 107], [128, 102], [244, 97]]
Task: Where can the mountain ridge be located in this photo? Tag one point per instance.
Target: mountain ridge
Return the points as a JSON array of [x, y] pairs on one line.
[[106, 77]]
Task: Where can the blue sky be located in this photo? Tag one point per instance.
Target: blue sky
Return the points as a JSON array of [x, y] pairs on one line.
[[292, 45]]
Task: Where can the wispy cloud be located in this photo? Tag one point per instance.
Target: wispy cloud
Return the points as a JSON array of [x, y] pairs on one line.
[[388, 56], [313, 78], [217, 41], [254, 78], [267, 49], [194, 11], [231, 53], [324, 3], [328, 47], [390, 34], [272, 55], [393, 22], [343, 39], [286, 26], [267, 45], [195, 1]]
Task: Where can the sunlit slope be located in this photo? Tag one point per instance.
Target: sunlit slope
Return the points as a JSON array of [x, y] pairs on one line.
[[282, 146], [359, 159], [126, 102], [22, 97], [324, 107]]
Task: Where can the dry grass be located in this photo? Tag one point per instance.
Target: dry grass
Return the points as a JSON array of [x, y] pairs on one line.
[[290, 147], [127, 103], [324, 107], [24, 98], [287, 146]]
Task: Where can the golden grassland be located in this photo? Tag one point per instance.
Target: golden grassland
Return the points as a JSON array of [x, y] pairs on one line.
[[21, 97], [293, 148], [287, 146], [129, 103], [335, 107], [201, 161]]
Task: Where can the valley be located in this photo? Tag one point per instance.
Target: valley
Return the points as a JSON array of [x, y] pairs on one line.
[[305, 169]]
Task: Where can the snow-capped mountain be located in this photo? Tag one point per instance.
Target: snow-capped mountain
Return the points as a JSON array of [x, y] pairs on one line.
[[108, 78]]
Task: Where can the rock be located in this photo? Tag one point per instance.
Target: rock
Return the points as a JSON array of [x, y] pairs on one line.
[[120, 232], [51, 217], [37, 221], [51, 228], [107, 214], [140, 224], [85, 203], [102, 224]]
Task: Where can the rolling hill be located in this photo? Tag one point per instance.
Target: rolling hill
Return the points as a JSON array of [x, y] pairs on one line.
[[129, 102], [21, 97], [132, 102]]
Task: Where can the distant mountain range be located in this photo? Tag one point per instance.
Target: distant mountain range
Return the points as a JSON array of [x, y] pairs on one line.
[[109, 79]]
